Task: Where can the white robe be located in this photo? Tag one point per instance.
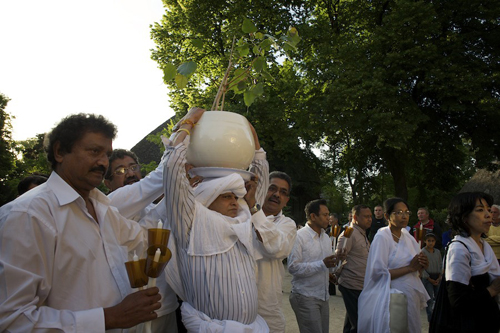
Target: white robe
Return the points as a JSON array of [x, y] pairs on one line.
[[385, 254]]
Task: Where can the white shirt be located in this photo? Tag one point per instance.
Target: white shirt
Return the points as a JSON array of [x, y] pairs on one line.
[[278, 236], [305, 263], [134, 202], [60, 267], [221, 285]]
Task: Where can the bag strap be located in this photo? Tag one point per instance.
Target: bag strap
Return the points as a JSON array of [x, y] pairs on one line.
[[446, 252]]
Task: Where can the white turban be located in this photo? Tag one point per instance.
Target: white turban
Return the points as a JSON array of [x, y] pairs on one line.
[[207, 191], [212, 232]]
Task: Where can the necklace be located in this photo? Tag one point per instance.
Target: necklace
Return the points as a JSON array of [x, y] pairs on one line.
[[395, 235]]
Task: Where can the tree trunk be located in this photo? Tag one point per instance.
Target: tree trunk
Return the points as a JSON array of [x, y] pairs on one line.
[[395, 162]]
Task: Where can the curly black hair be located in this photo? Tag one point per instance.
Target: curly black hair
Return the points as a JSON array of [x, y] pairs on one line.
[[73, 128]]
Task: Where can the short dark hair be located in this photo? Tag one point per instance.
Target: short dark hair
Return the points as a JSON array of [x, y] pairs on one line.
[[284, 176], [357, 209], [313, 207], [391, 202], [73, 128], [119, 154], [24, 184], [461, 206], [430, 234]]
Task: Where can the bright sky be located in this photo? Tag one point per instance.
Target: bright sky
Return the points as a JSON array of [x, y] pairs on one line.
[[59, 57]]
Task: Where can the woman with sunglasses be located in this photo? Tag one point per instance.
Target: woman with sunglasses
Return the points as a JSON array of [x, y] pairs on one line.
[[393, 264]]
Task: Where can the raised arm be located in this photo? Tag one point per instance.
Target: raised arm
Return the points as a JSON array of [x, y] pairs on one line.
[[132, 199], [179, 195]]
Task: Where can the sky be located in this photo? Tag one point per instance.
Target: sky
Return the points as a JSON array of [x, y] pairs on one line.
[[60, 57]]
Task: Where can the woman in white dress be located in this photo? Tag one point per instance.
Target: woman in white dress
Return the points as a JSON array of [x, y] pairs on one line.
[[472, 273], [393, 264]]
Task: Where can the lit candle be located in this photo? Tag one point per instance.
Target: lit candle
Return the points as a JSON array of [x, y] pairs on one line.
[[160, 224]]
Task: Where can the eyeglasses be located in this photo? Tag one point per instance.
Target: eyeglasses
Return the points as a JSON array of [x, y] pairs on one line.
[[123, 170], [401, 213], [281, 191]]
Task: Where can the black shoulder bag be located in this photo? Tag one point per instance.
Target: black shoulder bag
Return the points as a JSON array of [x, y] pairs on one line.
[[441, 320]]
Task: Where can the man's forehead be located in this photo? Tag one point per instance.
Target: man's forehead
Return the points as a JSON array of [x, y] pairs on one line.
[[123, 162], [281, 183]]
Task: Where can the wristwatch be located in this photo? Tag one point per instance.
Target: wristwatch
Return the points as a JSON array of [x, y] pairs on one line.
[[255, 209]]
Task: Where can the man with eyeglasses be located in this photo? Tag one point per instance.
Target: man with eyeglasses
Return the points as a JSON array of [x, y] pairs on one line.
[[135, 197], [276, 236], [129, 192], [429, 226]]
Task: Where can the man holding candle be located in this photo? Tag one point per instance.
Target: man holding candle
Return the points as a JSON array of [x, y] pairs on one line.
[[310, 263], [352, 275], [64, 247], [133, 196], [429, 226]]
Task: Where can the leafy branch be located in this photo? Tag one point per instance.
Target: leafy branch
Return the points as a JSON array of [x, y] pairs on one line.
[[253, 48]]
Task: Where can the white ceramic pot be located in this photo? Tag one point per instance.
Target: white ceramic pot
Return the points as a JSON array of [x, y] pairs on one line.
[[221, 139]]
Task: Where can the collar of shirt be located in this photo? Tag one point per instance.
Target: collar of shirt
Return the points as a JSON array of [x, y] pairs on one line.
[[313, 233], [65, 194]]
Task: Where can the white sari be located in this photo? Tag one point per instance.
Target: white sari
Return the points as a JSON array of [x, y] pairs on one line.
[[385, 254]]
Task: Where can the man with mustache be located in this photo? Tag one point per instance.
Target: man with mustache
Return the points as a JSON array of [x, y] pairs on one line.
[[64, 247], [276, 236]]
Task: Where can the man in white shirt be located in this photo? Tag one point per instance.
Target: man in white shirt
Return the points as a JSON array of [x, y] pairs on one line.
[[276, 236], [214, 243], [310, 263], [133, 196], [64, 247]]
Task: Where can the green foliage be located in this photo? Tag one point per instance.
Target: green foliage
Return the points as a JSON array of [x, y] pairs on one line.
[[242, 49], [402, 97]]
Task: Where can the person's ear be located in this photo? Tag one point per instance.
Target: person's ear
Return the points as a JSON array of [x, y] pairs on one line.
[[58, 154]]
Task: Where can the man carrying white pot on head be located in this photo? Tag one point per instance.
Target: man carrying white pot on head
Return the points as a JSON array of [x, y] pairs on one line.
[[215, 275]]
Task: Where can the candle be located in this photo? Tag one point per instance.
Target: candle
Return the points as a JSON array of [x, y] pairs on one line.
[[157, 255], [420, 234], [135, 258], [160, 224]]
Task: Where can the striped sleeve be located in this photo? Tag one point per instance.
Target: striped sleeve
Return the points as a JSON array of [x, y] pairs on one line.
[[179, 195]]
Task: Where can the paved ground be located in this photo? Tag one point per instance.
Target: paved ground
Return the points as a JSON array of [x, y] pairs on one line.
[[337, 310]]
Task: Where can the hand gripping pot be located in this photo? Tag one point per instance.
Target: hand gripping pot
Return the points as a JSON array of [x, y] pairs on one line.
[[221, 140]]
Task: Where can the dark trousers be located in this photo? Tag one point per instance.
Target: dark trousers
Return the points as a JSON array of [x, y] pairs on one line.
[[350, 297]]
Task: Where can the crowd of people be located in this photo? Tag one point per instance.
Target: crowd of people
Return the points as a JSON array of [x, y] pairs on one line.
[[63, 245]]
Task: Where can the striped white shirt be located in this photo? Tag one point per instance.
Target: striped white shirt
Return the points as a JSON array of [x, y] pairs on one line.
[[223, 285]]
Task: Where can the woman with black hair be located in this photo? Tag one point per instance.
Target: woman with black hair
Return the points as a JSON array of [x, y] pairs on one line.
[[472, 273], [393, 294]]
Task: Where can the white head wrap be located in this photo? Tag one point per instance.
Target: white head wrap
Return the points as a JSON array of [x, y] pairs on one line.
[[207, 191], [212, 232]]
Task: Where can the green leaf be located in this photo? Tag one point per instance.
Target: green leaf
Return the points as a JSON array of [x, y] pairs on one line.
[[198, 43], [259, 64], [242, 85], [259, 35], [243, 50], [248, 27], [258, 89], [169, 72], [249, 98], [187, 68], [181, 81], [266, 44]]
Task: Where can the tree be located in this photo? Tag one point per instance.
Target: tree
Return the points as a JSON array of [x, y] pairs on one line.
[[400, 90], [7, 158]]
